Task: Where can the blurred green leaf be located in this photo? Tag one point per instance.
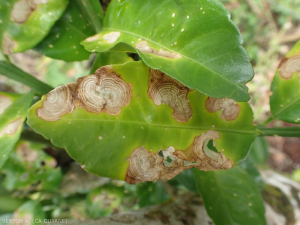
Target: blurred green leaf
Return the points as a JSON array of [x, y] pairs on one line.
[[103, 143], [26, 23], [231, 197], [63, 40], [104, 201], [259, 152], [251, 169], [29, 168], [31, 213], [187, 179], [285, 100], [13, 109], [148, 193], [191, 41]]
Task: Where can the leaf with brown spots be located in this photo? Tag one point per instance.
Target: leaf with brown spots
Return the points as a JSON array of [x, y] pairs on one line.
[[137, 124], [13, 109], [285, 100], [24, 23], [192, 41]]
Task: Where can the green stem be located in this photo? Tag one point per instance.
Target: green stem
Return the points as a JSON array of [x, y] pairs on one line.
[[90, 14], [267, 121], [280, 131], [13, 72]]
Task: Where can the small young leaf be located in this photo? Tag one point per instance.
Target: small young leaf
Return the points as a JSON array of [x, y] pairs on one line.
[[259, 152], [115, 122], [13, 109], [230, 197], [192, 41], [30, 211], [27, 22], [285, 100]]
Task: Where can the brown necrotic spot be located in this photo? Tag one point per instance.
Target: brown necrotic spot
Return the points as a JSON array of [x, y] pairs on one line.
[[111, 37], [230, 108], [26, 153], [288, 66], [22, 10], [105, 91], [11, 128], [166, 164], [166, 90], [143, 46], [5, 102], [8, 44], [58, 103]]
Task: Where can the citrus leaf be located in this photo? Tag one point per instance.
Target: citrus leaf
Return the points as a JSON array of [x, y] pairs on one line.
[[230, 197], [192, 41], [13, 109], [285, 100], [259, 152], [26, 23], [133, 112], [63, 40]]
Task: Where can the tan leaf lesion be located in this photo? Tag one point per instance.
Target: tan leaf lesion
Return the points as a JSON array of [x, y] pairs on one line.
[[230, 108], [22, 10], [104, 91], [288, 66], [5, 102], [144, 47], [11, 128], [166, 164], [166, 90]]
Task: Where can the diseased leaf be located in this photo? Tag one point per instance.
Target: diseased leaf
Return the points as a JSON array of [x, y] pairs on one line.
[[285, 100], [137, 124], [192, 41], [230, 197], [27, 22], [63, 41], [13, 109]]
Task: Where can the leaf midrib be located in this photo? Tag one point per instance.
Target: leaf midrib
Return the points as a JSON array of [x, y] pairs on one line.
[[164, 126], [184, 56]]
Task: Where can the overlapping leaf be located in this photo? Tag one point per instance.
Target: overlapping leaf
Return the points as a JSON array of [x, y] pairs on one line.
[[285, 100], [192, 41], [104, 143], [26, 23], [13, 109], [230, 197], [63, 41]]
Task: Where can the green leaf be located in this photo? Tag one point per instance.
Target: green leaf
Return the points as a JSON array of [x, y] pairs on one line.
[[251, 169], [11, 71], [192, 41], [26, 23], [259, 152], [230, 197], [13, 109], [63, 41], [285, 100], [146, 114]]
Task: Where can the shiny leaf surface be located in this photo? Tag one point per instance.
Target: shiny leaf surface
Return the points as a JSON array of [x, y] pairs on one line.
[[192, 41], [110, 142]]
